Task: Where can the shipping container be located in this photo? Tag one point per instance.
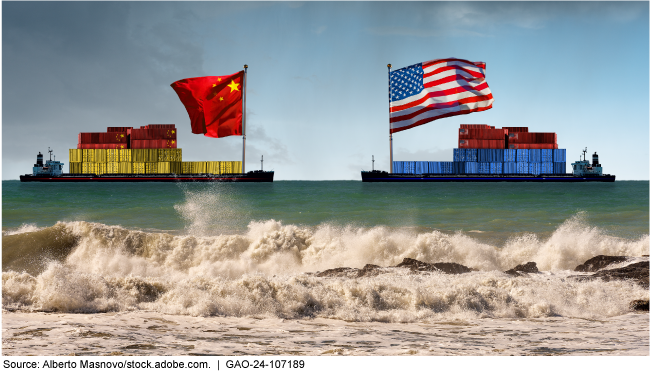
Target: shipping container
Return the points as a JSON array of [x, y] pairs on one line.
[[119, 167], [522, 167], [75, 155], [559, 156], [490, 155], [125, 155], [102, 138], [476, 126], [153, 144], [531, 137], [510, 167], [496, 168], [119, 129], [144, 155], [509, 155], [482, 134], [76, 167], [516, 129], [547, 155], [138, 167], [101, 146], [535, 168], [483, 168], [547, 168], [534, 156], [559, 167], [458, 167], [93, 168], [532, 146], [441, 167], [421, 167], [173, 155], [459, 155], [153, 134], [398, 167], [471, 167], [481, 144], [159, 126], [522, 155]]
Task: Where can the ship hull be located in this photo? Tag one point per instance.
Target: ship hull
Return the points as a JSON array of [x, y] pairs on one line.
[[256, 176], [378, 176]]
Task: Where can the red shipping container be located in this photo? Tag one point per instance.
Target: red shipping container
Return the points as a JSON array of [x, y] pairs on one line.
[[532, 137], [532, 146], [152, 134], [109, 137], [160, 126], [154, 144], [118, 129], [484, 134], [476, 126], [516, 129], [101, 146], [481, 144]]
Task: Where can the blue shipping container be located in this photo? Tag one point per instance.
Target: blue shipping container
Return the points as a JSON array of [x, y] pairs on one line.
[[459, 154], [522, 167], [459, 167], [496, 168], [547, 168], [421, 167], [509, 155], [483, 168], [398, 167], [522, 155], [559, 156], [559, 167], [535, 156], [471, 155], [510, 167], [547, 155], [471, 167], [534, 168]]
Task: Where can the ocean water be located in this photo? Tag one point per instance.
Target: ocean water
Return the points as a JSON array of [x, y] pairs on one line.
[[247, 253]]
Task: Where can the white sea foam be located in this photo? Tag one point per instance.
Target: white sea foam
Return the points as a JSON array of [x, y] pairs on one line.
[[24, 228], [263, 272]]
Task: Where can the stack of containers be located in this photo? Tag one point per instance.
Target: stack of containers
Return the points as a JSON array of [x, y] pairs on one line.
[[150, 149], [484, 149]]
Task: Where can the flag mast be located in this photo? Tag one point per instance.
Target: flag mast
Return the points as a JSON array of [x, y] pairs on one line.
[[390, 134], [243, 153]]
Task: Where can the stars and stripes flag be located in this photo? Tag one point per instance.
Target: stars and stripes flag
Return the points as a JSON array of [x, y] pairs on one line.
[[437, 89]]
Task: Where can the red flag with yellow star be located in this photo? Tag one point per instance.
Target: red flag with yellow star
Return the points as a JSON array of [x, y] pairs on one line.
[[214, 103]]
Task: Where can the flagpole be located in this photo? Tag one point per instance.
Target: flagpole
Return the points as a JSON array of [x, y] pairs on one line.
[[243, 153], [390, 134]]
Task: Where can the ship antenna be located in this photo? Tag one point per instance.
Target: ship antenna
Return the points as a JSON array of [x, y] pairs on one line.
[[50, 151], [373, 163]]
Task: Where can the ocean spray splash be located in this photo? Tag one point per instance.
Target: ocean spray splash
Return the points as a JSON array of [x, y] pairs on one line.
[[211, 210]]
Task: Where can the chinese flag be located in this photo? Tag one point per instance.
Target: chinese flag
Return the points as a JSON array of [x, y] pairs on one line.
[[214, 103]]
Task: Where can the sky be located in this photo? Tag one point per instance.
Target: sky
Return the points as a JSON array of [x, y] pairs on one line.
[[317, 90]]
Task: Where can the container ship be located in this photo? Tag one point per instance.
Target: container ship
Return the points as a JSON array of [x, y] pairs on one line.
[[145, 154], [489, 154]]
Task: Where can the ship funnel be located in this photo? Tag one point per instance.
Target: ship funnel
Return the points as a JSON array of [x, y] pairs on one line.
[[39, 160], [594, 160]]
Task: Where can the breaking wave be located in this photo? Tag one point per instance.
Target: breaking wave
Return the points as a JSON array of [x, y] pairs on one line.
[[90, 267]]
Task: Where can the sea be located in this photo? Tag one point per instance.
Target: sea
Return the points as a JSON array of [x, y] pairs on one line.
[[157, 269]]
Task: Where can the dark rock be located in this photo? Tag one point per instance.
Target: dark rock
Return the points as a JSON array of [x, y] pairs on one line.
[[639, 305], [599, 262], [445, 267], [638, 272], [345, 272], [530, 267]]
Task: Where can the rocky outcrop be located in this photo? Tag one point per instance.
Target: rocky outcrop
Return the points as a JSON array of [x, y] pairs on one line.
[[407, 263], [445, 267], [639, 305], [638, 272], [600, 262], [520, 270]]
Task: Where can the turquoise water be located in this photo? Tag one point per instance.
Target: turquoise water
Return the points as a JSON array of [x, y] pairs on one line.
[[620, 208]]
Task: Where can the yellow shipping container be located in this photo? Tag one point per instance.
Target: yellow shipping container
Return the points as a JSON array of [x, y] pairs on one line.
[[144, 155], [75, 155], [93, 168], [125, 155], [87, 155], [212, 167], [112, 167], [112, 155], [170, 155], [138, 168], [101, 156], [126, 167], [75, 167]]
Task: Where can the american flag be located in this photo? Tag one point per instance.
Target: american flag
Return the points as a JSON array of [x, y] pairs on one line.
[[437, 89]]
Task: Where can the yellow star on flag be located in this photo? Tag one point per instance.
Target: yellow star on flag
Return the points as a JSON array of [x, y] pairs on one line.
[[220, 98], [173, 141], [121, 135], [173, 131], [233, 86]]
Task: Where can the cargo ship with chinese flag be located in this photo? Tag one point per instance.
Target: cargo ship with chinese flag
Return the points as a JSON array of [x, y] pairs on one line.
[[437, 89], [145, 154], [216, 107]]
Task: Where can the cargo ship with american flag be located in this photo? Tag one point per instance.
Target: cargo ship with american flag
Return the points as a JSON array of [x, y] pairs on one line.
[[436, 89]]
